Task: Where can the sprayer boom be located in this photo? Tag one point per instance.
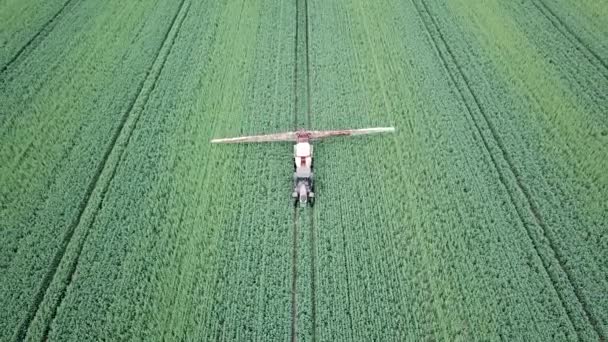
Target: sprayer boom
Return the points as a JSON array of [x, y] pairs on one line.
[[310, 135]]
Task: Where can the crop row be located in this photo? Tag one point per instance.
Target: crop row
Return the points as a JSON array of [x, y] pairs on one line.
[[193, 240], [483, 217], [549, 129], [60, 104], [581, 23], [426, 228], [24, 24]]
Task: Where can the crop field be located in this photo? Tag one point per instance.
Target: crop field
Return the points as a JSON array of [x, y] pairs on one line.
[[483, 217]]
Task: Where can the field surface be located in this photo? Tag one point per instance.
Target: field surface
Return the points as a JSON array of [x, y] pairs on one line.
[[484, 217]]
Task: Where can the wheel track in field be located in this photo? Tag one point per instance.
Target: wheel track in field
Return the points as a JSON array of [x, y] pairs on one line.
[[312, 230], [302, 32], [313, 274], [561, 26], [295, 68], [95, 203], [294, 244], [308, 87], [294, 276], [42, 33], [532, 207], [129, 132]]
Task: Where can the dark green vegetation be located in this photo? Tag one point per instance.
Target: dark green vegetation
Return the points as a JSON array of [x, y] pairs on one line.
[[484, 218]]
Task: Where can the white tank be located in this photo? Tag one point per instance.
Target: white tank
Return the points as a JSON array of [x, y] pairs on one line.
[[303, 149], [303, 154]]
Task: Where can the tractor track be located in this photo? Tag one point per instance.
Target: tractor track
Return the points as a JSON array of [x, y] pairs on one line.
[[294, 247], [42, 33], [593, 57], [294, 277], [531, 206], [313, 274], [143, 95], [308, 87], [129, 133], [302, 79], [295, 70], [312, 230]]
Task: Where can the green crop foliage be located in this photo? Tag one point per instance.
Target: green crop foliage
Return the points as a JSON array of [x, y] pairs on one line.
[[482, 218], [62, 104], [25, 24]]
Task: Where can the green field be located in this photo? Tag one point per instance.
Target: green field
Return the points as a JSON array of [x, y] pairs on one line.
[[484, 217]]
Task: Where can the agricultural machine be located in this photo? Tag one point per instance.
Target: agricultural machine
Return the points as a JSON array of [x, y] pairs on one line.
[[303, 189]]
